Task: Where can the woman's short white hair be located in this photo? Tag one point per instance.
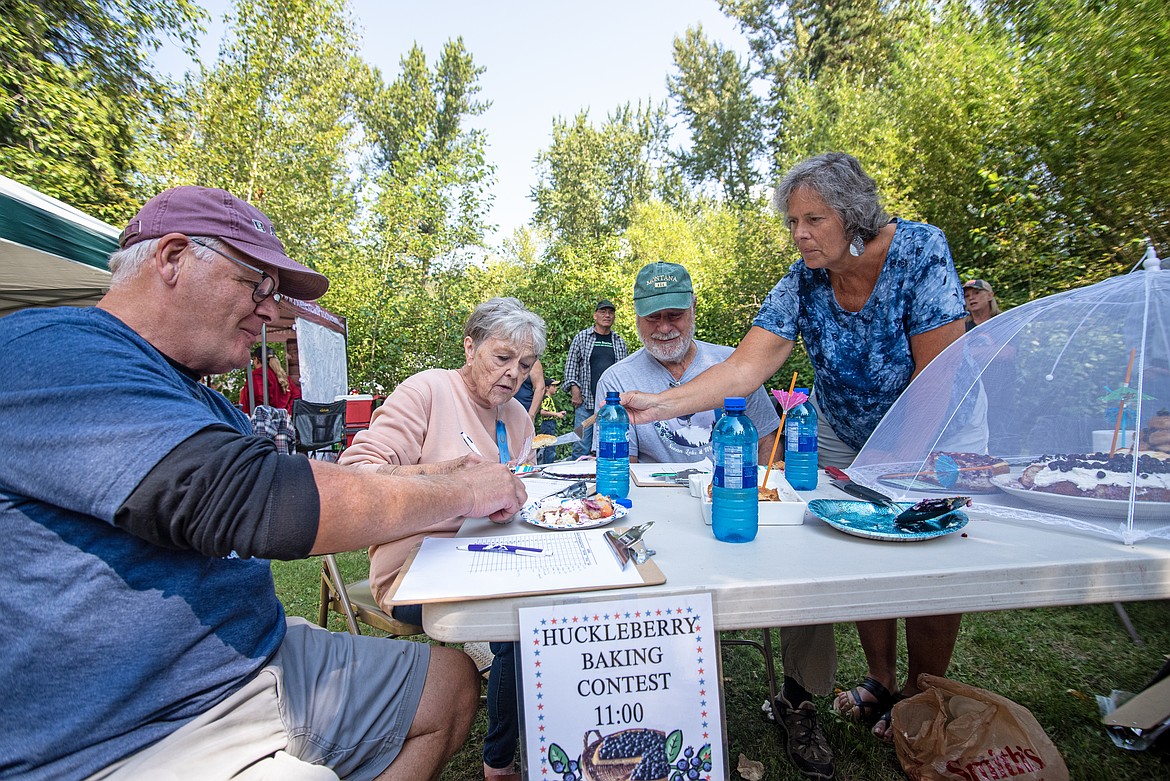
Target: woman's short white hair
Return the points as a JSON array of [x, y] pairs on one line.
[[507, 319], [126, 263]]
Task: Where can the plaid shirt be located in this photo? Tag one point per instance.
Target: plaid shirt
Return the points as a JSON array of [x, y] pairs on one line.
[[274, 423], [577, 364]]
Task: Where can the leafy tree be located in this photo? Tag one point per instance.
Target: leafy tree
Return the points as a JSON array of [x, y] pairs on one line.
[[426, 196], [272, 122], [714, 95], [590, 179], [430, 175], [75, 78], [1099, 116], [804, 41]]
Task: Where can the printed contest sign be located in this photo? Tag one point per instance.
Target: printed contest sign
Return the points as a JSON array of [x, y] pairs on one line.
[[625, 690]]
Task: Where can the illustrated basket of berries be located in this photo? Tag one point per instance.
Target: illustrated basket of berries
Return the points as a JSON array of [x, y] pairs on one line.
[[629, 755], [633, 755]]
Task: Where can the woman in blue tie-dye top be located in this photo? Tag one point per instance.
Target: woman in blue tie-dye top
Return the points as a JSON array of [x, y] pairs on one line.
[[875, 300]]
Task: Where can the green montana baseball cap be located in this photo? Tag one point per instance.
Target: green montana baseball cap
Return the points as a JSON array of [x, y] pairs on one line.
[[662, 286]]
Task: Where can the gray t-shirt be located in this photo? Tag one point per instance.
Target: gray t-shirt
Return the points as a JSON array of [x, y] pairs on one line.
[[685, 439]]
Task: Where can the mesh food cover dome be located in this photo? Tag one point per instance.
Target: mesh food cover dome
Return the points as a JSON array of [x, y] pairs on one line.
[[1055, 412]]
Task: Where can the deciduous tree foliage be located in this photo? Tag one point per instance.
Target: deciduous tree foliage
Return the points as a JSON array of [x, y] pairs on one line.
[[713, 92], [1034, 133], [426, 194], [590, 178], [429, 178], [1098, 114], [75, 77], [272, 121]]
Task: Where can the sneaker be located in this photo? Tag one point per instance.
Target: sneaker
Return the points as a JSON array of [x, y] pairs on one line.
[[803, 739], [481, 654]]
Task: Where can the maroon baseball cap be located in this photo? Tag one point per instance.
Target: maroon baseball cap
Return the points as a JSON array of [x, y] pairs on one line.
[[206, 211]]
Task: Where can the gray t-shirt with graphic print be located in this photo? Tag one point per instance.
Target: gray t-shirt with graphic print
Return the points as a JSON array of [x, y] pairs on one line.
[[685, 439]]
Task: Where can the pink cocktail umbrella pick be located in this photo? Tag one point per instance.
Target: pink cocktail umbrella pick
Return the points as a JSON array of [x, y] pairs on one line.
[[785, 399], [790, 399]]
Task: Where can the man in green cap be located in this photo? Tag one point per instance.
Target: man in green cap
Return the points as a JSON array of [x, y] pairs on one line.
[[664, 302]]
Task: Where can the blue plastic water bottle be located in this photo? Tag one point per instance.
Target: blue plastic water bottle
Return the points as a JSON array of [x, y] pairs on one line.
[[800, 446], [735, 502], [613, 448]]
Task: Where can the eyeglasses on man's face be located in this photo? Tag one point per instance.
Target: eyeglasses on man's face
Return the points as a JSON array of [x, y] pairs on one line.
[[263, 289]]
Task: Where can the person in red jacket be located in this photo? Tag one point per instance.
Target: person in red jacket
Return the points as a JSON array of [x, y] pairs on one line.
[[276, 394]]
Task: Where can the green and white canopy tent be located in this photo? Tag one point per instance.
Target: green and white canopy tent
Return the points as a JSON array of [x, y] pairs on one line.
[[54, 255], [50, 254]]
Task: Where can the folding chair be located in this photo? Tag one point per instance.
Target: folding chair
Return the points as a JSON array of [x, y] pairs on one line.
[[320, 427], [356, 603]]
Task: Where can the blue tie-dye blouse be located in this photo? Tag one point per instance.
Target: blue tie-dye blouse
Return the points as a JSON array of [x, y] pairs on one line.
[[862, 359]]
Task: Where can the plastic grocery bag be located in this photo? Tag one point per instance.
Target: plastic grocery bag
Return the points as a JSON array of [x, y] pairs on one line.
[[957, 732]]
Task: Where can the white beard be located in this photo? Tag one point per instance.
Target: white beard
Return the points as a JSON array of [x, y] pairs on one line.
[[664, 354]]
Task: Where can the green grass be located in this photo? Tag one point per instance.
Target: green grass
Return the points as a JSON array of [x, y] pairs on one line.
[[1050, 660]]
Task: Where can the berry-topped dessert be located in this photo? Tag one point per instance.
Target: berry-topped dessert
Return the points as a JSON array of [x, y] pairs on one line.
[[964, 471], [1101, 476]]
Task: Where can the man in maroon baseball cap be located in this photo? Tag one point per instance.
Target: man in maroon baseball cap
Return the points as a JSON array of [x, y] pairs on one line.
[[142, 499], [204, 211]]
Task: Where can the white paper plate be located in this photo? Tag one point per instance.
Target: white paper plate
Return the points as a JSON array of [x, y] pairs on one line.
[[530, 513], [572, 470], [1082, 505]]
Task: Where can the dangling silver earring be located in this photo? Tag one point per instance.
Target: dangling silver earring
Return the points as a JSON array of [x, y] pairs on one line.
[[856, 246]]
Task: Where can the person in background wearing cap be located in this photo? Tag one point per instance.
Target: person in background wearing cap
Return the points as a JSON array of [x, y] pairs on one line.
[[549, 415], [981, 303], [592, 351], [146, 513], [665, 304]]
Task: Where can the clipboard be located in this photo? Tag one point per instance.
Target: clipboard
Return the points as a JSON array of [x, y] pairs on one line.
[[438, 553], [643, 474]]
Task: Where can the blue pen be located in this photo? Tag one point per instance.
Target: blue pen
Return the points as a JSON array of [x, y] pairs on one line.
[[469, 443], [519, 550]]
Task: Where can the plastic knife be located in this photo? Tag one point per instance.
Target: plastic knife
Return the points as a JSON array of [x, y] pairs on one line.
[[843, 481]]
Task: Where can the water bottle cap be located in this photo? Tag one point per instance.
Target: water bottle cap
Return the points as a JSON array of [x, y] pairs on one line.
[[613, 397], [736, 403], [624, 503]]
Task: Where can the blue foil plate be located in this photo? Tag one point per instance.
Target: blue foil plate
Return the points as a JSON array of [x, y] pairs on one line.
[[876, 522]]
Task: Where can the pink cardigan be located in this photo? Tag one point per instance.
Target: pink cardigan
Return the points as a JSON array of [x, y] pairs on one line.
[[419, 424]]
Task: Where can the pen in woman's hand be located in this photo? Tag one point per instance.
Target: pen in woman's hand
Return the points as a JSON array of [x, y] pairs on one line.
[[470, 444]]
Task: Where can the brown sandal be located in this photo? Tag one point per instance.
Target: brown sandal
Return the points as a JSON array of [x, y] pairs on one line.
[[867, 713]]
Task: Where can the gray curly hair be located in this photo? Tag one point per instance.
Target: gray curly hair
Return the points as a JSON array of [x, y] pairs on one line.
[[838, 179], [508, 319]]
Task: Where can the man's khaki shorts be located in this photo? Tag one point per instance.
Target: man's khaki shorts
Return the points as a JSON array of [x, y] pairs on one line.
[[327, 705]]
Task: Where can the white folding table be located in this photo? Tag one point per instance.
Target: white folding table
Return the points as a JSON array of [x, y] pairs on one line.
[[815, 574]]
